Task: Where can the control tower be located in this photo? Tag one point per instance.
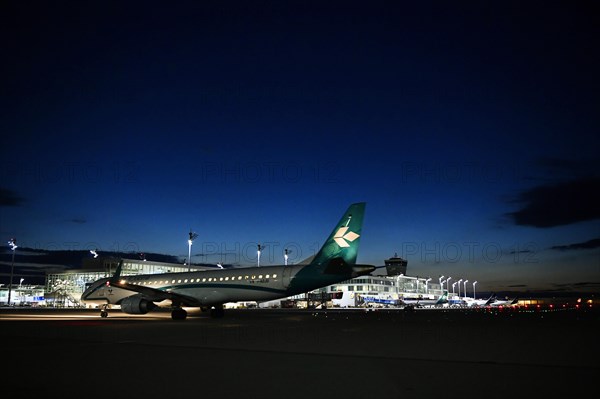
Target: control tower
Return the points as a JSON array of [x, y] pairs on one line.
[[396, 265]]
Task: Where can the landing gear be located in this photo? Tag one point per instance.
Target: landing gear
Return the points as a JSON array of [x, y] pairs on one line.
[[217, 312], [178, 314], [104, 311]]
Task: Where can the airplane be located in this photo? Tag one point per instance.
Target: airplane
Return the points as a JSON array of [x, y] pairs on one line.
[[507, 302], [470, 302], [209, 290], [419, 302]]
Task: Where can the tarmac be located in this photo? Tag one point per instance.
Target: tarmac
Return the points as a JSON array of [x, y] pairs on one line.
[[277, 353]]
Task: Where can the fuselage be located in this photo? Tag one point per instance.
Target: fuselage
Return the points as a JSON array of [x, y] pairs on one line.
[[206, 288]]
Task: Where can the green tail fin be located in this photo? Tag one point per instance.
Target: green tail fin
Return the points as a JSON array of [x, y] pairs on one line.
[[344, 239]]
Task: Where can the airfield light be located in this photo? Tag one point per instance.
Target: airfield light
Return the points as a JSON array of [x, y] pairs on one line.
[[193, 236], [474, 282], [465, 290], [13, 246]]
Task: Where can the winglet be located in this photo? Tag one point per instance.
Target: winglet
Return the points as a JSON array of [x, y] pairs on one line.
[[115, 277]]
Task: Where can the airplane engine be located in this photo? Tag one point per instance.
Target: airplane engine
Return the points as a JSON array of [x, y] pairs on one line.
[[136, 305]]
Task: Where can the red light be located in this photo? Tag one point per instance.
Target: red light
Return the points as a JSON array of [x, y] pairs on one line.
[[108, 283]]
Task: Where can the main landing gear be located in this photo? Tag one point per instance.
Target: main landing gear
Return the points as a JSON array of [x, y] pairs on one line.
[[104, 311], [178, 314], [216, 312]]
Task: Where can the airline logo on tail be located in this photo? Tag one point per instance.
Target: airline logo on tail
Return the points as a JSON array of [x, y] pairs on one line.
[[342, 238]]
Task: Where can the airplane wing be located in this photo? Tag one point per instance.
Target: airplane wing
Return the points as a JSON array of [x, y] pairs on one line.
[[154, 295], [151, 294]]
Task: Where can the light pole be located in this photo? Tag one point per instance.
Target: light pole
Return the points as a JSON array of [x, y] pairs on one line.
[[474, 282], [447, 284], [193, 236], [427, 281], [453, 284], [258, 256], [441, 277], [285, 256], [459, 281], [13, 245], [465, 291]]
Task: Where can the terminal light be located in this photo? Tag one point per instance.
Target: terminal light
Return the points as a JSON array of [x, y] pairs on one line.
[[193, 236], [258, 256], [13, 246]]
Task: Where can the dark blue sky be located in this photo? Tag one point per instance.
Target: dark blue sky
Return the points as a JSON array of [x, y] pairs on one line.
[[469, 128]]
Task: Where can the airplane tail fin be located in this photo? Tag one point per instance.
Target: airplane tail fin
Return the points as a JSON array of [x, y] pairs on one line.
[[336, 260], [343, 241], [443, 298]]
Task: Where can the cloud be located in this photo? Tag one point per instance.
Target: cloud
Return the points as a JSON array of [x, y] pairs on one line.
[[559, 204], [9, 198], [591, 244], [78, 220], [524, 251]]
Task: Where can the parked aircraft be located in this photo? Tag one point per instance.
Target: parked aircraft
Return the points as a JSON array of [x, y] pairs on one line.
[[420, 302], [209, 290]]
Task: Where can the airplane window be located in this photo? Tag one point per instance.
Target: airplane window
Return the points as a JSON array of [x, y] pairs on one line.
[[246, 277], [185, 280], [240, 277], [173, 282], [253, 277], [226, 278], [178, 281], [267, 276], [204, 279], [220, 278], [274, 276], [210, 279], [260, 276]]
